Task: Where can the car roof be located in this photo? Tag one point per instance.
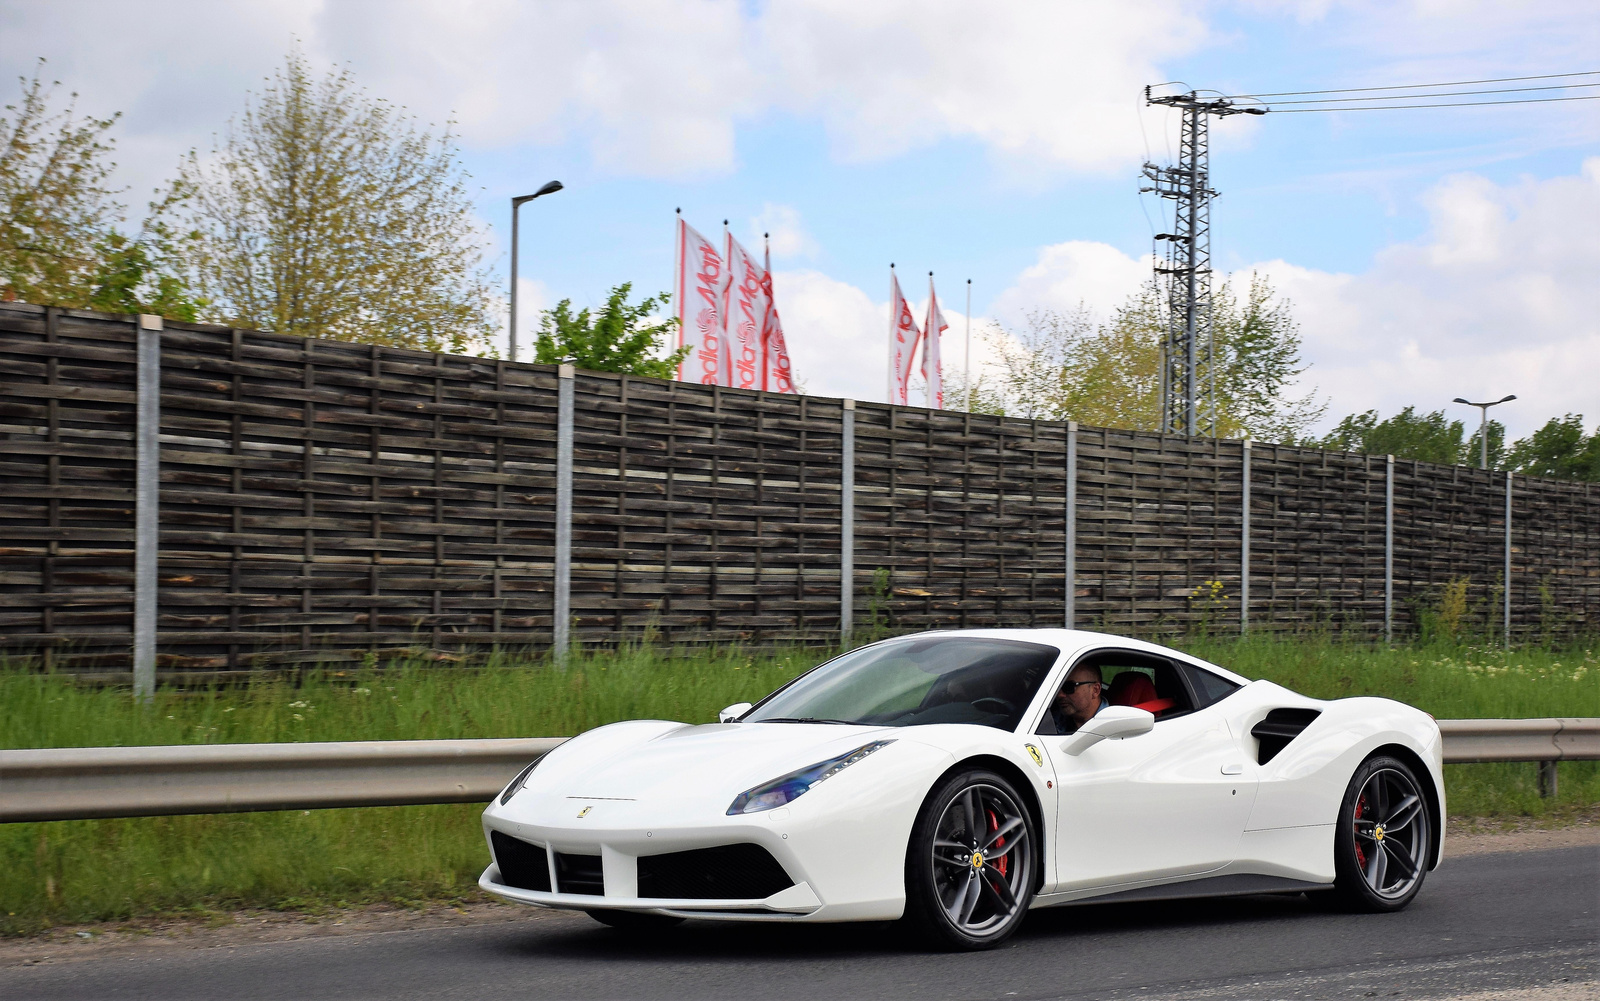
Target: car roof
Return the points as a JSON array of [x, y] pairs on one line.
[[1073, 642]]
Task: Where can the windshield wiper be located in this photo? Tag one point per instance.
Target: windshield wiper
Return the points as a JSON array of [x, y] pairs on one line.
[[805, 719]]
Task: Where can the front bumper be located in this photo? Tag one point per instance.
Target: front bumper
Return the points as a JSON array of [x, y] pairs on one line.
[[843, 865], [798, 901]]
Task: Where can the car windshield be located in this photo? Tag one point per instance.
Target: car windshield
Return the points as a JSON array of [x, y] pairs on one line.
[[936, 679]]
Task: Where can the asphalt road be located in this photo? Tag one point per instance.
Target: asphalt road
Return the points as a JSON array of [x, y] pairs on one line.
[[1482, 923]]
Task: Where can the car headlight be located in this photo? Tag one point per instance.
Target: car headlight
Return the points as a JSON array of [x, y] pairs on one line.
[[771, 795], [518, 782]]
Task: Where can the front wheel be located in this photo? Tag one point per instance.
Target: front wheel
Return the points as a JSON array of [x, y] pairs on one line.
[[1382, 843], [970, 865]]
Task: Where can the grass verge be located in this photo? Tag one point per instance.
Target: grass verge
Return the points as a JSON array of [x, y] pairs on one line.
[[77, 871]]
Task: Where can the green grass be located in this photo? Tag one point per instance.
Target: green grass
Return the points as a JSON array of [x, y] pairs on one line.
[[73, 871]]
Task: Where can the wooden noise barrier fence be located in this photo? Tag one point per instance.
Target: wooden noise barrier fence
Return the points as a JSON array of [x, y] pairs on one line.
[[201, 499]]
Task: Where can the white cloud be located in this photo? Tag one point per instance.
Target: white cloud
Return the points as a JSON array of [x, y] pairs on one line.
[[789, 236], [1069, 275], [1497, 298], [651, 87], [837, 335], [1027, 79]]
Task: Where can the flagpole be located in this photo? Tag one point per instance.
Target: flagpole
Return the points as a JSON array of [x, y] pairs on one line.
[[677, 280], [766, 270], [893, 320], [927, 338], [966, 366]]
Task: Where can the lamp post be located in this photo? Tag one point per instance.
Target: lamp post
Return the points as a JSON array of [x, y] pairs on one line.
[[1483, 426], [516, 203]]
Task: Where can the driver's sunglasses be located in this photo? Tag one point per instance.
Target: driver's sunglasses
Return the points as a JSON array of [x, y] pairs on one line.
[[1072, 686]]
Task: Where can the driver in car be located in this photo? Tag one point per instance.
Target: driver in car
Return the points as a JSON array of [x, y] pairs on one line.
[[1079, 699]]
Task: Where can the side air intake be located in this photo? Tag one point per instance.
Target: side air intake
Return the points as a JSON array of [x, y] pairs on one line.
[[522, 865], [1280, 727]]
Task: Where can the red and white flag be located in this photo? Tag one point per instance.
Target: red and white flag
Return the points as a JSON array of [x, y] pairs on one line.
[[903, 337], [776, 375], [746, 311], [932, 367], [702, 280]]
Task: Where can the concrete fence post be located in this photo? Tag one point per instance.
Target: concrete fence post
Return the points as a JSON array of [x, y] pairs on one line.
[[1388, 552], [847, 524], [1505, 577], [147, 503], [562, 621], [1244, 542], [1071, 569]]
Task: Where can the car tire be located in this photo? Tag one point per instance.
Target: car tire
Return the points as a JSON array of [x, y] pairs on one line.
[[1384, 838], [634, 921], [972, 862]]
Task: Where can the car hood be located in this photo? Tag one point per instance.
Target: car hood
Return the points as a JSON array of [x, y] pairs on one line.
[[653, 760]]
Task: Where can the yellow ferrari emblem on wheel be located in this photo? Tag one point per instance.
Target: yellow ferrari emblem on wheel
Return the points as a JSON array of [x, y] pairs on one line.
[[1033, 752], [1377, 833], [977, 860]]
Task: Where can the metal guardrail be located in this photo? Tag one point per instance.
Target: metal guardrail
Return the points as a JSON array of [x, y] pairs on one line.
[[74, 783], [1560, 739]]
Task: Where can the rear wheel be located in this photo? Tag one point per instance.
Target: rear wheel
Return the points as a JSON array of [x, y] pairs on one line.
[[1383, 840], [970, 864], [634, 921]]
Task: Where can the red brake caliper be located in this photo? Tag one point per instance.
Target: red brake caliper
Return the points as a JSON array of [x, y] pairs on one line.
[[994, 825], [1361, 811]]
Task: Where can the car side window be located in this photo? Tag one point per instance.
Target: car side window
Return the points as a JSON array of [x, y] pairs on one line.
[[1133, 679], [1208, 688]]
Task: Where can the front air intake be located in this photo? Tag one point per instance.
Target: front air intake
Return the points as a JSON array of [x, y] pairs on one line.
[[579, 874], [521, 865], [1280, 727], [730, 872]]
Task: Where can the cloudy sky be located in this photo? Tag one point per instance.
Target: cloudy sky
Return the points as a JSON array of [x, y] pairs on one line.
[[1429, 254]]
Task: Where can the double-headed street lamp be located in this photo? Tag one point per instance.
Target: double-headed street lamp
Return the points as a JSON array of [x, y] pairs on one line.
[[1483, 427], [516, 203]]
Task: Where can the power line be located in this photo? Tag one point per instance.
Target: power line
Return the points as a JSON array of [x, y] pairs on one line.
[[1418, 86], [1453, 104], [1442, 93]]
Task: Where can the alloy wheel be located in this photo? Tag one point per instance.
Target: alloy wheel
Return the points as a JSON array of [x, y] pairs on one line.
[[982, 859], [1391, 833]]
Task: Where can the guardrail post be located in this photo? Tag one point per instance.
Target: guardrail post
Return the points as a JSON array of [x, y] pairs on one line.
[[562, 622], [147, 504], [1547, 779], [1505, 584], [1388, 552], [1244, 544], [1071, 611], [847, 524]]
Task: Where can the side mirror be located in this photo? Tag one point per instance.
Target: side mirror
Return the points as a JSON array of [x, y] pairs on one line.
[[738, 709], [1112, 722]]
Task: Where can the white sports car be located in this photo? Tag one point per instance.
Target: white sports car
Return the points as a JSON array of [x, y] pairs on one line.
[[948, 778]]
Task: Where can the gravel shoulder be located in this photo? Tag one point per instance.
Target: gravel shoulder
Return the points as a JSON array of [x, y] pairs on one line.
[[69, 943]]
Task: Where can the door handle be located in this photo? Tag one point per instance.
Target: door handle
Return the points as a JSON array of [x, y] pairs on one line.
[[1233, 769]]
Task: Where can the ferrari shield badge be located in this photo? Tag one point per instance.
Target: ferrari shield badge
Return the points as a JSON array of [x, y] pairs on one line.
[[1033, 752], [584, 812]]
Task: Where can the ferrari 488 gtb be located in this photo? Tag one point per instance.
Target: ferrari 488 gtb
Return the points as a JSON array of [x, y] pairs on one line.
[[958, 779]]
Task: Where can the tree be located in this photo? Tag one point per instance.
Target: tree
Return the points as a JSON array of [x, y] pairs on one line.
[[326, 213], [1559, 449], [1064, 366], [55, 205], [620, 338], [1407, 435]]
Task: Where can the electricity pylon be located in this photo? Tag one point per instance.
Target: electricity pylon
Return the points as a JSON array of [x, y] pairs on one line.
[[1187, 387]]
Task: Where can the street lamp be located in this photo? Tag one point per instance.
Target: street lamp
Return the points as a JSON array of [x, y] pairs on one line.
[[516, 203], [1483, 427]]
